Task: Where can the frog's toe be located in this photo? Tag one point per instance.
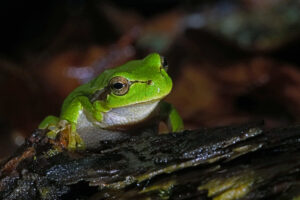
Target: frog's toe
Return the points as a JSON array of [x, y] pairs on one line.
[[75, 142], [52, 134], [71, 141], [79, 142], [53, 131]]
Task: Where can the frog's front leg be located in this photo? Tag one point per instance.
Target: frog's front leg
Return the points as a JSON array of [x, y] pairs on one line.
[[171, 117], [52, 124], [48, 122], [71, 114]]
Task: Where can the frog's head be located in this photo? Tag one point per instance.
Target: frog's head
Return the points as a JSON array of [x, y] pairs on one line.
[[135, 82]]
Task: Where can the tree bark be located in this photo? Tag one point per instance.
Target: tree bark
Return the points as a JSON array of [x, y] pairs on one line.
[[233, 162]]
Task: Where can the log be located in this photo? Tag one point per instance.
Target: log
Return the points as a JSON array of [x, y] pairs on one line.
[[233, 162]]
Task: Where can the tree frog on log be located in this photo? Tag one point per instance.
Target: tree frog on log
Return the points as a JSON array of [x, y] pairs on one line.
[[116, 101]]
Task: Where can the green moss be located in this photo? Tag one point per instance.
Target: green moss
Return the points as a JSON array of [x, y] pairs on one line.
[[229, 188], [164, 189], [44, 192]]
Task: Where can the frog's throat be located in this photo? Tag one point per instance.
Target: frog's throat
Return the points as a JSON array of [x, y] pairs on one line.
[[120, 117]]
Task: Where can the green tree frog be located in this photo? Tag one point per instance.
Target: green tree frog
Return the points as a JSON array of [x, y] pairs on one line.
[[116, 101]]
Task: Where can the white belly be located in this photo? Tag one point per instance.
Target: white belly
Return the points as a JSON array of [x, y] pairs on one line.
[[92, 132], [119, 117]]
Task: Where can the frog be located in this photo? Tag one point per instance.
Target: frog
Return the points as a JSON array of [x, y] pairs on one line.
[[118, 99]]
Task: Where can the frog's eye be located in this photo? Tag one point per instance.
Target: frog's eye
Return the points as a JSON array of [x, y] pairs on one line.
[[119, 85], [164, 63]]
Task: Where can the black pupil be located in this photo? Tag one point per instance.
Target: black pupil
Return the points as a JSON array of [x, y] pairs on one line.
[[118, 86]]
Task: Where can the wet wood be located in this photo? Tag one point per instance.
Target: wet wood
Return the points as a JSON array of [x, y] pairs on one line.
[[233, 162]]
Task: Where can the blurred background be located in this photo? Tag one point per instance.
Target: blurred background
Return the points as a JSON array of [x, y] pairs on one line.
[[231, 61]]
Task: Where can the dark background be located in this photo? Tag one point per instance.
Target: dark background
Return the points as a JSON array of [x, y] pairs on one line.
[[231, 61]]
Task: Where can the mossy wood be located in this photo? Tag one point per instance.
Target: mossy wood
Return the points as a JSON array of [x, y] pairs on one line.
[[234, 162]]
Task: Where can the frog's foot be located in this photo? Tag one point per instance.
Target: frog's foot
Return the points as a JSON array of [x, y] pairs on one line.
[[70, 139], [53, 131], [56, 128], [75, 142], [63, 134], [51, 123]]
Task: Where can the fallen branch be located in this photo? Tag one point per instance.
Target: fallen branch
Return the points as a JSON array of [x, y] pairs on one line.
[[234, 162]]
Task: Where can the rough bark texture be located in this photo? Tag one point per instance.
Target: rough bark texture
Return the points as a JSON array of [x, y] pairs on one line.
[[234, 162]]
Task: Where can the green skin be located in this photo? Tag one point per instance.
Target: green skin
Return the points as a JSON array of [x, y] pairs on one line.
[[151, 83]]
